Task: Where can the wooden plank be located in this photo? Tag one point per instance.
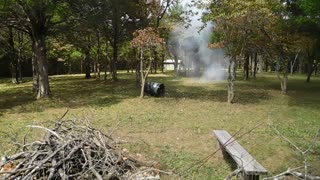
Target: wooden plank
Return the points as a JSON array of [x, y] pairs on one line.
[[239, 154]]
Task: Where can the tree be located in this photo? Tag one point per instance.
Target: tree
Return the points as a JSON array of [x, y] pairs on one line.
[[84, 32], [249, 27], [14, 43], [37, 18], [121, 19], [145, 39], [304, 16]]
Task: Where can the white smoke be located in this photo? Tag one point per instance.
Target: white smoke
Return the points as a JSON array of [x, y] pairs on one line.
[[191, 46]]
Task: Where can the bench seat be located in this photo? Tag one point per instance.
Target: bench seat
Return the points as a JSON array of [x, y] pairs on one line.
[[244, 160]]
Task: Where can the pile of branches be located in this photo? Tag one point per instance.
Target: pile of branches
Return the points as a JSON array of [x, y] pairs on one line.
[[73, 151]]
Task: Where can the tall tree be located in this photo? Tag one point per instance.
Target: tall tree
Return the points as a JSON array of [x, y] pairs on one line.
[[122, 18], [37, 18], [248, 27], [304, 16]]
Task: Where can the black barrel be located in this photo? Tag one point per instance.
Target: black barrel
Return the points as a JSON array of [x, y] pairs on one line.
[[154, 89]]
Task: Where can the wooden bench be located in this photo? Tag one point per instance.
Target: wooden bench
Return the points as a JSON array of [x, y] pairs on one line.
[[249, 166]]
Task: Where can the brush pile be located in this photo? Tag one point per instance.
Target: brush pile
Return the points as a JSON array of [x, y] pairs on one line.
[[73, 151]]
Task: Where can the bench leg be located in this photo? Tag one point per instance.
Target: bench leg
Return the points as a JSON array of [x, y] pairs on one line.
[[251, 177]]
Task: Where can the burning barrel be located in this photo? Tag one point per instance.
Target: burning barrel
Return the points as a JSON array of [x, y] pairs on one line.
[[154, 89]]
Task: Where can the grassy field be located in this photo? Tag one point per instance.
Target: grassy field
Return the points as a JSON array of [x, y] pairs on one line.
[[176, 130]]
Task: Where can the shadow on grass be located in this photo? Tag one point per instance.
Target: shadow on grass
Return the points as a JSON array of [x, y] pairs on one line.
[[304, 94], [215, 92], [75, 92], [69, 92]]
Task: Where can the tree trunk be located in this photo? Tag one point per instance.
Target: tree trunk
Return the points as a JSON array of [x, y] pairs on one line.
[[128, 64], [251, 65], [19, 68], [95, 69], [143, 76], [138, 79], [266, 66], [42, 64], [99, 56], [106, 60], [70, 67], [35, 74], [13, 71], [114, 63], [142, 84], [19, 58], [246, 67], [162, 62], [115, 54], [133, 59], [155, 61], [13, 63], [87, 62], [283, 81], [231, 78], [310, 68], [255, 65], [293, 63], [81, 66]]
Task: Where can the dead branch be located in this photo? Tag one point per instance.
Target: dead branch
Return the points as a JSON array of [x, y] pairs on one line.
[[293, 172], [304, 154]]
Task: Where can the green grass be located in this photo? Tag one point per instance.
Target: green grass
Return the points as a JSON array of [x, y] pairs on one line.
[[176, 130]]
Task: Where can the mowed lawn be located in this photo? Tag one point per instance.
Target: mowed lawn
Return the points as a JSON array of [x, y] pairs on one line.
[[176, 130]]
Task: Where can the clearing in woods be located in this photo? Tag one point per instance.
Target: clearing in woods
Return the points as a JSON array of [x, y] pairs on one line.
[[176, 130]]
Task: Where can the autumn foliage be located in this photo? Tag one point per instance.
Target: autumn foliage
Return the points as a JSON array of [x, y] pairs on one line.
[[147, 37]]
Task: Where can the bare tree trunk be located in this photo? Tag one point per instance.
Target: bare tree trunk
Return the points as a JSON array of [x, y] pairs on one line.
[[251, 64], [266, 66], [19, 58], [81, 66], [283, 81], [95, 69], [162, 62], [106, 60], [70, 67], [255, 65], [42, 64], [246, 67], [155, 61], [115, 55], [87, 62], [35, 74], [13, 63], [300, 66], [19, 68], [293, 63], [282, 74], [310, 68], [231, 78], [133, 59], [143, 76], [127, 65], [142, 84], [138, 79], [99, 56]]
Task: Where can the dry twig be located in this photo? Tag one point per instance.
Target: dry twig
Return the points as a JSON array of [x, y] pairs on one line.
[[72, 151]]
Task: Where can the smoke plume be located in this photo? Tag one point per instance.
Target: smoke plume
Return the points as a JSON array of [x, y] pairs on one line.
[[191, 47]]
